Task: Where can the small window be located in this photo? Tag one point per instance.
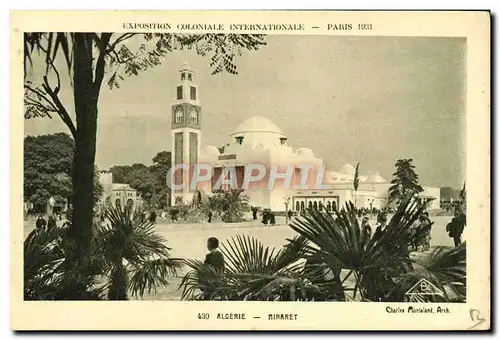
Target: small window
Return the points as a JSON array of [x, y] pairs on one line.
[[179, 92], [183, 76], [193, 116], [178, 116], [189, 77], [193, 93]]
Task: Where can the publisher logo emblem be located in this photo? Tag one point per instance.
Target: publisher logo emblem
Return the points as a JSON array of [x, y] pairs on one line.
[[423, 288]]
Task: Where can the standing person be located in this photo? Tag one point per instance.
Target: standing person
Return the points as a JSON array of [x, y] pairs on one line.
[[366, 231], [51, 224], [254, 213], [265, 216], [422, 233], [381, 221], [456, 227], [272, 218], [215, 258], [365, 222], [427, 231], [152, 217], [381, 224], [210, 216], [40, 222], [289, 214]]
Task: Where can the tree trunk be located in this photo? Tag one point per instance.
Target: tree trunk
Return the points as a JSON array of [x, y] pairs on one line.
[[85, 99], [118, 288]]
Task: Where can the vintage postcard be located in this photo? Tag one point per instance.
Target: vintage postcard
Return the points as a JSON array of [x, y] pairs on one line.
[[250, 170]]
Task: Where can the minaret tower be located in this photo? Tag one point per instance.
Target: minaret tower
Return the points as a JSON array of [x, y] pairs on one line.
[[186, 132]]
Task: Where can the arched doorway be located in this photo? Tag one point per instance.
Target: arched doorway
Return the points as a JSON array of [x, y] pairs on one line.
[[130, 203], [328, 206], [118, 203], [320, 206], [315, 205], [310, 205], [297, 206], [302, 205]]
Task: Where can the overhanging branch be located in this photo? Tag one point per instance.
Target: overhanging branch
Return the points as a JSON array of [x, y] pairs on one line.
[[61, 110], [41, 95], [99, 68], [50, 64], [119, 40]]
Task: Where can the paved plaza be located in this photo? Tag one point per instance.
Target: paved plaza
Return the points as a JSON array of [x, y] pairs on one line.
[[189, 241]]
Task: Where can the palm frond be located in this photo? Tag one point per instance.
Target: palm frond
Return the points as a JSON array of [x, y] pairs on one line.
[[153, 274], [204, 281], [43, 259], [446, 268], [128, 245], [342, 244], [252, 272]]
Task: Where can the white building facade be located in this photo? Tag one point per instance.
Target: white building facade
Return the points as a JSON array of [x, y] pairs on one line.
[[258, 140], [117, 193], [186, 132]]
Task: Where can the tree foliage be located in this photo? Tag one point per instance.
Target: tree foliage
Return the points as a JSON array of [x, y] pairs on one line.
[[48, 163], [162, 163], [149, 181], [86, 59], [463, 194], [98, 189], [230, 203], [405, 181], [356, 182], [356, 178], [115, 56], [44, 272], [252, 272], [134, 256], [47, 167], [128, 258]]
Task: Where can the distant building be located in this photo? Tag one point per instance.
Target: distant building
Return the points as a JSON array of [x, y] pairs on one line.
[[117, 193], [259, 141], [54, 205]]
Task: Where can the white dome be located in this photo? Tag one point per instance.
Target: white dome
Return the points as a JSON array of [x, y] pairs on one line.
[[210, 150], [257, 124], [305, 152], [375, 178], [347, 169]]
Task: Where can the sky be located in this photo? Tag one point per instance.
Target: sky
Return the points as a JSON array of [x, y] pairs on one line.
[[371, 100]]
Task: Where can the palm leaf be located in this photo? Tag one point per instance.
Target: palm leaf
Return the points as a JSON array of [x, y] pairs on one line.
[[342, 245], [129, 244], [446, 268], [252, 272], [43, 258], [152, 274]]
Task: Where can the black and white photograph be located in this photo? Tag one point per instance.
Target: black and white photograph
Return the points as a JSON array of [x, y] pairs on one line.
[[234, 166]]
